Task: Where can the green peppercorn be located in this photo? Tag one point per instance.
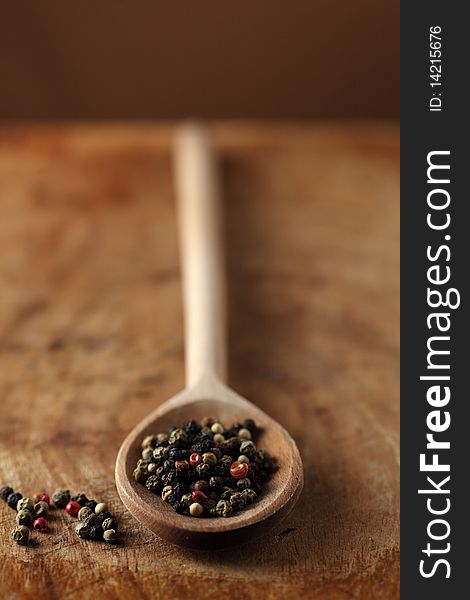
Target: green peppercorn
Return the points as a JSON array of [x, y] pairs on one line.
[[178, 437], [150, 441], [142, 463], [237, 501], [247, 448], [153, 484], [109, 536], [25, 504], [24, 517], [203, 470], [84, 513], [243, 483], [109, 523], [61, 498], [249, 496], [209, 458], [167, 491], [147, 453], [82, 530], [160, 454], [162, 437], [226, 493], [20, 534], [91, 520], [224, 508], [187, 499], [141, 474], [41, 508]]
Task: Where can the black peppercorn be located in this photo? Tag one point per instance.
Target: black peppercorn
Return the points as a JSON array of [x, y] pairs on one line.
[[5, 492], [104, 515], [13, 499], [91, 504], [80, 499], [203, 470], [96, 532]]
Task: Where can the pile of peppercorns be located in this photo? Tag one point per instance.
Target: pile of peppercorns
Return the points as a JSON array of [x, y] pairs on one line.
[[204, 469], [96, 522]]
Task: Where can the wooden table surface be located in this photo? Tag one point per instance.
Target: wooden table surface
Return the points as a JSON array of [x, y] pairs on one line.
[[91, 341]]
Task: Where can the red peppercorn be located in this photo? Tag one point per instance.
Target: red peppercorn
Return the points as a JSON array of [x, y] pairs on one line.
[[195, 459], [40, 524], [238, 470], [41, 497], [72, 508], [198, 496]]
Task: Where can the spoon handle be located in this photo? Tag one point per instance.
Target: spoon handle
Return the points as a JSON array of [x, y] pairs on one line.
[[202, 255]]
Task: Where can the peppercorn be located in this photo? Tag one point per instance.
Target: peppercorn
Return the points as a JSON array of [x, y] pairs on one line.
[[5, 492], [250, 425], [152, 468], [40, 525], [24, 517], [217, 428], [226, 460], [82, 530], [218, 438], [13, 498], [20, 534], [41, 508], [249, 496], [209, 458], [195, 459], [224, 508], [243, 483], [153, 484], [147, 454], [209, 504], [201, 486], [109, 536], [181, 465], [203, 470], [207, 421], [109, 523], [140, 475], [91, 520], [100, 507], [243, 459], [24, 504], [237, 501], [247, 448], [166, 493], [238, 470], [187, 498], [61, 497], [217, 453], [244, 434], [226, 493], [178, 437], [80, 499], [196, 509], [104, 515], [84, 512], [72, 508], [91, 504], [191, 428], [149, 441], [96, 532], [41, 497], [216, 483], [198, 497], [179, 506]]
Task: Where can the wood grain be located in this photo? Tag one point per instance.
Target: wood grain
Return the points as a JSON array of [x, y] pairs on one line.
[[91, 341]]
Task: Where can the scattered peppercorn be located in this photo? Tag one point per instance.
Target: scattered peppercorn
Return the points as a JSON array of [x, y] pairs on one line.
[[41, 508], [73, 508], [41, 497], [40, 525], [24, 517], [84, 512], [20, 534], [109, 536], [13, 499], [204, 469], [24, 504], [5, 492], [61, 497]]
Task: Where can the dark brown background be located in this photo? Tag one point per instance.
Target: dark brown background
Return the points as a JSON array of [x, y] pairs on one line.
[[149, 59]]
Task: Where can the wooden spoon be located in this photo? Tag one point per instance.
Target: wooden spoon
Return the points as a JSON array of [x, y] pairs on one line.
[[206, 393]]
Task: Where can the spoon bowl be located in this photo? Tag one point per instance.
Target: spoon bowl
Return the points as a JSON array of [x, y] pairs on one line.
[[279, 495]]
